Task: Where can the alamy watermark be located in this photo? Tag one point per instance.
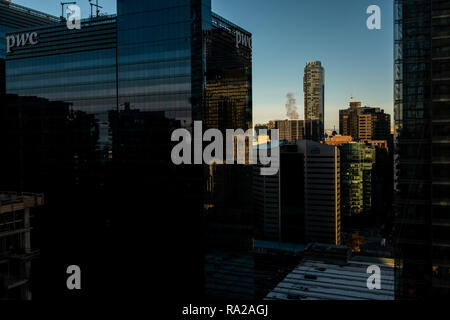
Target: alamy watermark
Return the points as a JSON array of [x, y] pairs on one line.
[[74, 17], [374, 280], [239, 148], [374, 20]]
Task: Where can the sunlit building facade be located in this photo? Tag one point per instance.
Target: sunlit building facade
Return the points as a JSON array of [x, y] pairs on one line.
[[357, 160], [314, 91]]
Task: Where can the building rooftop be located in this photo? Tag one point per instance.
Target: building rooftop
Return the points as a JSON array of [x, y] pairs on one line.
[[12, 201], [36, 13], [264, 246], [318, 280], [220, 21]]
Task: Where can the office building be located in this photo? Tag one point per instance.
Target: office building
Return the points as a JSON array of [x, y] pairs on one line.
[[292, 194], [290, 130], [322, 192], [364, 123], [357, 160], [267, 205], [314, 91], [294, 130], [301, 203], [89, 118], [422, 117], [15, 17]]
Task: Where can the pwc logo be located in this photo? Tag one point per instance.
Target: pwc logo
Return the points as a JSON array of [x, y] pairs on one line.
[[243, 39], [20, 40]]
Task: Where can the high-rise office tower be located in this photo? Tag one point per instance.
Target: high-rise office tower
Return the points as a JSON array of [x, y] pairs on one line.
[[357, 160], [422, 124], [89, 120], [15, 17], [314, 91], [267, 203], [228, 96], [322, 192], [301, 203]]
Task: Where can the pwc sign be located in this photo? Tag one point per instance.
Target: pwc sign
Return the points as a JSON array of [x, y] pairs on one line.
[[20, 40], [243, 39]]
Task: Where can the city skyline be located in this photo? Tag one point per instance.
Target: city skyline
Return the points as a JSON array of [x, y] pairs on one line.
[[357, 61], [140, 115]]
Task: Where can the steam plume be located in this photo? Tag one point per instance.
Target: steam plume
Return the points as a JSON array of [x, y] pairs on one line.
[[291, 108]]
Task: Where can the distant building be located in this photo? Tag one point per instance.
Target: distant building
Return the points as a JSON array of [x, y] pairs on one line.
[[338, 140], [322, 192], [266, 204], [302, 202], [294, 130], [290, 130], [314, 92], [364, 123], [357, 160]]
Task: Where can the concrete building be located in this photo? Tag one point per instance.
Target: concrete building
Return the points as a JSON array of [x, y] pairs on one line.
[[338, 140], [322, 192], [266, 204], [364, 123], [295, 130], [301, 203], [314, 91], [16, 250], [290, 130]]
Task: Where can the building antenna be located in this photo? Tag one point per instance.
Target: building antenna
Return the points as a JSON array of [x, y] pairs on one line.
[[62, 8], [97, 11]]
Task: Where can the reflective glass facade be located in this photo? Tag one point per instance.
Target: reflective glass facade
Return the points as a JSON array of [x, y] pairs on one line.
[[88, 122], [357, 160], [228, 105], [422, 119], [14, 17]]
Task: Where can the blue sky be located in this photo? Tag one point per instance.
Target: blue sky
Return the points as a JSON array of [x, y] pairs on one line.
[[289, 33]]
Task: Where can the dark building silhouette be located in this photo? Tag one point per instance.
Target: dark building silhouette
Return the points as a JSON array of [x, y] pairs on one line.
[[422, 151], [88, 123]]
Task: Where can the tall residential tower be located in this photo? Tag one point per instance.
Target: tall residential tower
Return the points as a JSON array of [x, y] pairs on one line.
[[314, 90]]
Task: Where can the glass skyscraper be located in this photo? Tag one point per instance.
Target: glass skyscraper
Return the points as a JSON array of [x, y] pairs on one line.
[[88, 122], [14, 17], [357, 160], [422, 115]]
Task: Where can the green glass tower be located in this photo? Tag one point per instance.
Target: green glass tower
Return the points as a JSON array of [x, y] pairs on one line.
[[357, 160]]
